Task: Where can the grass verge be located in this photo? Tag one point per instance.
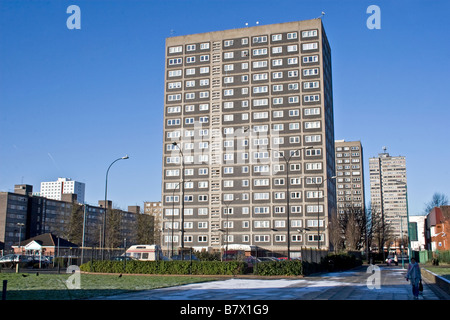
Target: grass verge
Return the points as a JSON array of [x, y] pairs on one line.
[[29, 286], [441, 270]]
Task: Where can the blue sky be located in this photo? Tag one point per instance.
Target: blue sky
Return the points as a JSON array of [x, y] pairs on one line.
[[73, 101]]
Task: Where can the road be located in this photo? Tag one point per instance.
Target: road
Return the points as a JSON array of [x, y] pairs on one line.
[[382, 283]]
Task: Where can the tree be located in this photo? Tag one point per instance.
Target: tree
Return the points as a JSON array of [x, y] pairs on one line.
[[113, 230], [145, 229], [75, 228], [438, 199]]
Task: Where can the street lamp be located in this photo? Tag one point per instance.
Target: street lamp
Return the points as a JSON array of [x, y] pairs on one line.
[[287, 161], [407, 219], [182, 200], [318, 211], [227, 204], [20, 225], [105, 205]]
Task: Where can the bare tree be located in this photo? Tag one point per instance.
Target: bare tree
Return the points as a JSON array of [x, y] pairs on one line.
[[438, 199]]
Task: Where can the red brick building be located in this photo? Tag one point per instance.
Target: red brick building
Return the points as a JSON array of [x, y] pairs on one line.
[[437, 224]]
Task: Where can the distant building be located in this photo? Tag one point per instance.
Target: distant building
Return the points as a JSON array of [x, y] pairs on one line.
[[418, 231], [24, 216], [349, 176], [388, 194], [438, 229], [55, 189], [155, 209]]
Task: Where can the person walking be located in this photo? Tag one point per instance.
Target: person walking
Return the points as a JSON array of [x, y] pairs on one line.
[[415, 276]]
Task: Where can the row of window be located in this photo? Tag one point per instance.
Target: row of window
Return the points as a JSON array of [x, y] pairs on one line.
[[295, 195], [313, 111], [245, 41], [244, 91], [245, 224], [275, 75], [257, 182], [202, 211], [313, 238]]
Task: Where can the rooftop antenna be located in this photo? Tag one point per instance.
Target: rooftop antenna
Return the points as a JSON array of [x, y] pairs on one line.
[[246, 24], [257, 22], [323, 13], [172, 32], [384, 149]]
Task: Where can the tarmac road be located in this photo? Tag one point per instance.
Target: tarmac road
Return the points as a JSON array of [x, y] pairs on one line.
[[382, 283]]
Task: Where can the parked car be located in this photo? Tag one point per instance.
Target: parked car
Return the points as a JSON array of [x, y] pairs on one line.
[[41, 261], [11, 260], [122, 258], [187, 257], [263, 259]]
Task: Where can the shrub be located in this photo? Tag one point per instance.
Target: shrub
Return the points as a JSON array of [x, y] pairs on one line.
[[279, 268], [166, 267]]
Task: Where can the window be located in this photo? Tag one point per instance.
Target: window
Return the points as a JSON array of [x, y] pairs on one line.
[[292, 60], [177, 49], [310, 59], [292, 48], [261, 209], [311, 98], [174, 97], [175, 61], [260, 52], [276, 50], [262, 238], [313, 138], [311, 111], [310, 46], [312, 125], [190, 47], [228, 55], [292, 35], [311, 72], [259, 39], [260, 64], [311, 85], [309, 33], [276, 37], [261, 224], [175, 73]]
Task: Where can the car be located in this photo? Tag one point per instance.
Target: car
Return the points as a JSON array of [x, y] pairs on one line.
[[11, 260], [264, 259], [39, 261], [186, 257], [122, 258]]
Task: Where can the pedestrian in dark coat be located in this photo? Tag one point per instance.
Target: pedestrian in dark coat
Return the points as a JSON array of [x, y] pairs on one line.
[[415, 276]]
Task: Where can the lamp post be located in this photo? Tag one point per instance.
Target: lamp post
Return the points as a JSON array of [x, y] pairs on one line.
[[182, 200], [407, 220], [106, 207], [318, 211], [287, 161], [227, 204], [20, 225], [84, 229]]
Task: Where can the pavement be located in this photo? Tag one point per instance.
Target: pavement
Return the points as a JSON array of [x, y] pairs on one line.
[[363, 283]]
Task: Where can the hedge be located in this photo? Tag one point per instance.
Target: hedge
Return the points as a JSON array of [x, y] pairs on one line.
[[166, 267], [279, 268]]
